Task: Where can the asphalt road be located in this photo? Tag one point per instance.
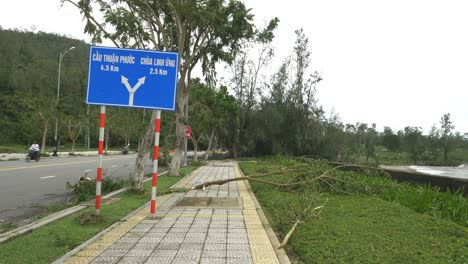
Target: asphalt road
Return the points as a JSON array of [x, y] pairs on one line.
[[26, 189]]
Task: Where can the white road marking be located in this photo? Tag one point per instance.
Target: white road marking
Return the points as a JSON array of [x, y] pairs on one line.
[[46, 177], [114, 166], [131, 163], [87, 170]]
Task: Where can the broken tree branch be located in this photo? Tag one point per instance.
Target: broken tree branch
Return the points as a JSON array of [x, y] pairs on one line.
[[221, 182]]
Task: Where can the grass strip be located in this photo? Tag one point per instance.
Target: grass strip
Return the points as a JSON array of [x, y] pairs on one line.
[[361, 227], [50, 242]]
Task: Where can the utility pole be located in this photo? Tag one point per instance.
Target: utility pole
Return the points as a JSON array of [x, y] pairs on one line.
[[58, 95]]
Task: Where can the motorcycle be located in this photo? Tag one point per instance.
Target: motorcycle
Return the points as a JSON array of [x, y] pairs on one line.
[[33, 155], [125, 151]]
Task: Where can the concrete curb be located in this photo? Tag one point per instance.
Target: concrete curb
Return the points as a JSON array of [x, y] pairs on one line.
[[44, 221], [280, 253], [56, 216]]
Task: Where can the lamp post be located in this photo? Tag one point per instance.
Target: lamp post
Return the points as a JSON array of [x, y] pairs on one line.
[[58, 95]]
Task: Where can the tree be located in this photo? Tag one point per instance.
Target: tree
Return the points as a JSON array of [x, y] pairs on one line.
[[390, 140], [370, 142], [414, 142], [200, 109], [74, 126], [446, 127], [200, 31], [42, 110]]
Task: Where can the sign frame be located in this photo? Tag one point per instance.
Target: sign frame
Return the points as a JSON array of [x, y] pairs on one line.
[[149, 81]]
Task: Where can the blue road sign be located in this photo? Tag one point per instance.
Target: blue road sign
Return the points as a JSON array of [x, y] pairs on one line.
[[132, 78]]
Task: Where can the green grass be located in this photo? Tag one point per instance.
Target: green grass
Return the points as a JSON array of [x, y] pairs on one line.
[[13, 148], [50, 242], [377, 221]]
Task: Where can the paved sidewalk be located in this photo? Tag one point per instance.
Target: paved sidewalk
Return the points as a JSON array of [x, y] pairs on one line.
[[217, 225]]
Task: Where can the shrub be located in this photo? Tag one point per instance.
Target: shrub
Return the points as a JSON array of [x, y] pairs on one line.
[[85, 189]]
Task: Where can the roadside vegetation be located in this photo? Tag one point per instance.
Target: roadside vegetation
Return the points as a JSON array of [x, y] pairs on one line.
[[46, 244], [347, 217]]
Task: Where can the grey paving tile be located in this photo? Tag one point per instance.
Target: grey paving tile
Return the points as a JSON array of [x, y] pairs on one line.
[[150, 221], [171, 246], [189, 254], [216, 235], [139, 252], [212, 261], [133, 233], [144, 246], [239, 254], [191, 246], [238, 261], [237, 240], [132, 260], [222, 240], [241, 247], [164, 253], [159, 260], [198, 229], [179, 229], [129, 239], [150, 239], [169, 239], [194, 240], [184, 261], [114, 253], [217, 247], [122, 245], [175, 235], [105, 260], [159, 230], [217, 231]]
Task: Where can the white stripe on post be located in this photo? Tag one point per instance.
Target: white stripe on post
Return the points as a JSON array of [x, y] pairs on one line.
[[102, 122], [157, 128]]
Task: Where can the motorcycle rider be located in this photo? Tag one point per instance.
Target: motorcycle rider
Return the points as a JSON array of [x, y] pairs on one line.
[[34, 149], [125, 149]]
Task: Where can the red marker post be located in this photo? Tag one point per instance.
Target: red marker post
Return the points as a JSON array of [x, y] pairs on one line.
[[157, 128], [100, 152]]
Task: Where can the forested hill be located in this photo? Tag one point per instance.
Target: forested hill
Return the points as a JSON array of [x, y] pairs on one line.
[[29, 70], [29, 64]]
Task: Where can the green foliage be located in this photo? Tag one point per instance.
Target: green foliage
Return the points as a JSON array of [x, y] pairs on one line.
[[85, 190]]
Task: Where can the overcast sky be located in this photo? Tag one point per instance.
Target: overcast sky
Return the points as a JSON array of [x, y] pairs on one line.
[[396, 63]]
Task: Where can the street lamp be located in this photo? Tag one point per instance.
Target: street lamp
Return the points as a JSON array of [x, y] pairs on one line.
[[58, 94]]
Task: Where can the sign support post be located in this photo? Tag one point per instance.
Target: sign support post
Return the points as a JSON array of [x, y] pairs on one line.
[[132, 78], [100, 153], [157, 126]]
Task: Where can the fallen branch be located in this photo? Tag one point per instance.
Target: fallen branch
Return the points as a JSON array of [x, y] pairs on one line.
[[293, 228], [288, 235], [221, 182]]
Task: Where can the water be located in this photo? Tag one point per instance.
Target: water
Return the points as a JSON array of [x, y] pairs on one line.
[[460, 172]]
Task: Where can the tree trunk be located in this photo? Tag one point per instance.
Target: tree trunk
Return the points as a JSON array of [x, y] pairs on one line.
[[107, 139], [44, 134], [143, 149], [195, 149], [73, 146], [180, 128], [210, 142]]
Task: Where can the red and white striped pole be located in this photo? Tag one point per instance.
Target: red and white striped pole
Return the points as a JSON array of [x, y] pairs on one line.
[[157, 128], [100, 152]]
